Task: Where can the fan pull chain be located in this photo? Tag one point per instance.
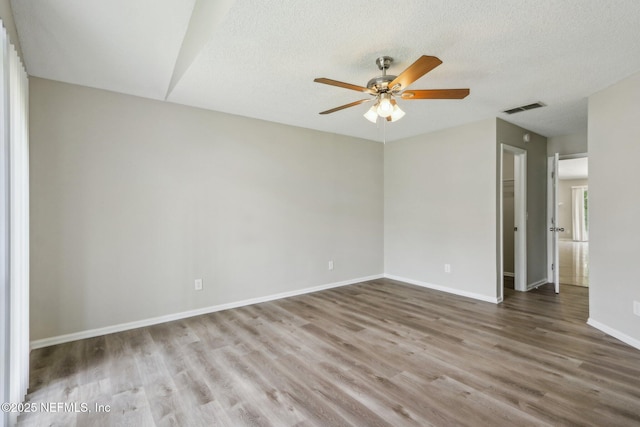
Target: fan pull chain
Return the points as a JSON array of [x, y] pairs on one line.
[[384, 131]]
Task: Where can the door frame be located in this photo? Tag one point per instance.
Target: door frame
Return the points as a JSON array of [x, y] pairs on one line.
[[552, 214], [520, 219]]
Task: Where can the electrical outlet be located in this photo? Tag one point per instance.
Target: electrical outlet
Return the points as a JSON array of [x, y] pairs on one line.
[[447, 268], [636, 308], [198, 284], [330, 265]]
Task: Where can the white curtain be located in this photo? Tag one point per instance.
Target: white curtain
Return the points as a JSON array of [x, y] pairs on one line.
[[580, 233], [14, 219]]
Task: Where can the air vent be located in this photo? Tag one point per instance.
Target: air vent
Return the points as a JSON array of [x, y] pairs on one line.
[[524, 108]]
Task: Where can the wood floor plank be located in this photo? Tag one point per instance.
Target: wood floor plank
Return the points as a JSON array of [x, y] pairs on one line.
[[377, 353]]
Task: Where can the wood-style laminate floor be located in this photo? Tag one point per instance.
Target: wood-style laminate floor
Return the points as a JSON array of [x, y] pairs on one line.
[[379, 353]]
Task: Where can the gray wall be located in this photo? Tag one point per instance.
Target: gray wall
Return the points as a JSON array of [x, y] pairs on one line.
[[575, 143], [132, 199], [614, 150], [565, 202], [440, 208], [510, 134]]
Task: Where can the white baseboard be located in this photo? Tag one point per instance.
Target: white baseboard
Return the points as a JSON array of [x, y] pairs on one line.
[[536, 284], [614, 333], [508, 274], [494, 300], [46, 342]]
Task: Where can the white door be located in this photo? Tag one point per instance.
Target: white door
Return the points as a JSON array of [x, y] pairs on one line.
[[520, 218], [553, 257]]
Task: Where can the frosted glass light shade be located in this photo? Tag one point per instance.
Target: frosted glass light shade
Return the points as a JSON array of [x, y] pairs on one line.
[[371, 114], [397, 113]]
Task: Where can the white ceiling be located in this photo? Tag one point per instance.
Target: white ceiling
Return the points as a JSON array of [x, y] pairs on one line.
[[573, 168], [258, 58]]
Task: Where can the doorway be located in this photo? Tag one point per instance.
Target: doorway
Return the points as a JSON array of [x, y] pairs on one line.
[[568, 212], [513, 221], [573, 216]]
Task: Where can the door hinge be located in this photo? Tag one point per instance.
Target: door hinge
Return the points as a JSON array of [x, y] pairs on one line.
[[553, 175], [553, 267]]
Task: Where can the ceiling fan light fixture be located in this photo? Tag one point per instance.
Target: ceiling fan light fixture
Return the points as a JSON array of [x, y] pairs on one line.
[[386, 87], [372, 114]]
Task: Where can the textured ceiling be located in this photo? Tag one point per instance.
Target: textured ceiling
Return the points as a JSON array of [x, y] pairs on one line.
[[258, 58]]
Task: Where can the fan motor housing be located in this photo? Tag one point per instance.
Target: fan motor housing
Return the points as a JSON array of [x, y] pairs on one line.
[[381, 83]]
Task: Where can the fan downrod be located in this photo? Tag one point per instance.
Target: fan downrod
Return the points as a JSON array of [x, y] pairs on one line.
[[381, 83]]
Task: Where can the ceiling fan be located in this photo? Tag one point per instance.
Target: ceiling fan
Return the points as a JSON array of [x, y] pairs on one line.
[[385, 88]]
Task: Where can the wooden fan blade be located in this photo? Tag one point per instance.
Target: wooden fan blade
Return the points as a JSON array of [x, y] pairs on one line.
[[342, 107], [422, 66], [435, 94], [344, 85]]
